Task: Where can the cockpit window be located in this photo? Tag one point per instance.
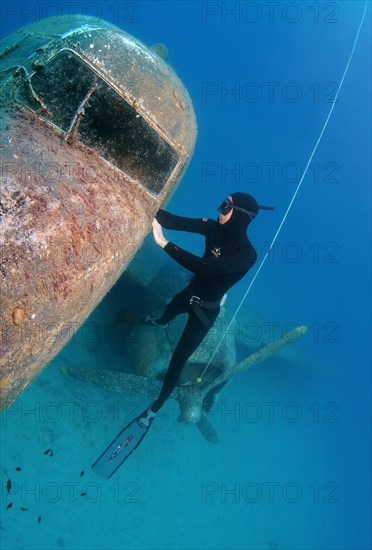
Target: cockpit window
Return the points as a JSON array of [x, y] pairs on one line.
[[126, 139], [62, 84], [79, 101]]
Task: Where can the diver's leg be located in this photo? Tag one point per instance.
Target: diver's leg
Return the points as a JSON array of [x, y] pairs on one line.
[[192, 336], [179, 304]]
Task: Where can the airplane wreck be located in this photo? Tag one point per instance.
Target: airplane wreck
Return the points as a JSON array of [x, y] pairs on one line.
[[97, 131]]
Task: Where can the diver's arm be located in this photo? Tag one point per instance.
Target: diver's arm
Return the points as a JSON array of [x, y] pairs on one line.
[[209, 266], [204, 267], [180, 223], [186, 259]]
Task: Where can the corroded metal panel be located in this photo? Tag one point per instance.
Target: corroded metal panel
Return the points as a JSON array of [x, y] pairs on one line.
[[96, 132]]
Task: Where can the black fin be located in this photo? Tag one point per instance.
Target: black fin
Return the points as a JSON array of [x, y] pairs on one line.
[[131, 316], [121, 448]]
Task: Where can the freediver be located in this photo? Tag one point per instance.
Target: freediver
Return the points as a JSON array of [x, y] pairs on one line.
[[228, 256]]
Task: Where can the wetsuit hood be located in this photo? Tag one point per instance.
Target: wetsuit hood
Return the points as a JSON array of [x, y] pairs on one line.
[[237, 225]]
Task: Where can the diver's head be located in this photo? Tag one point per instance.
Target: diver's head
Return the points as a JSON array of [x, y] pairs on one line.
[[238, 210], [241, 206]]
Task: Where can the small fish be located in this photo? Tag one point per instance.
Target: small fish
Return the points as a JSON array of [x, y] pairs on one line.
[[51, 453], [24, 509], [18, 469], [47, 451], [39, 519], [10, 505], [8, 486], [82, 473], [83, 494]]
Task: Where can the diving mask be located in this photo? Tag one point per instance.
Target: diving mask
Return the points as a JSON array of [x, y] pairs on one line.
[[227, 205]]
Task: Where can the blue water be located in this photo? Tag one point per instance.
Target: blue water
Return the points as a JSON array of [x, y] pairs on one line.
[[292, 469]]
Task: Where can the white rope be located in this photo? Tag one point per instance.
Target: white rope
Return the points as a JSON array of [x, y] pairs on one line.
[[293, 198]]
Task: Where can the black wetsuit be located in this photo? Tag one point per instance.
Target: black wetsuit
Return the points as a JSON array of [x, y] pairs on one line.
[[227, 258]]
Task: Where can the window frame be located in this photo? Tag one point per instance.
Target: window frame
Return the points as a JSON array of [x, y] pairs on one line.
[[133, 104]]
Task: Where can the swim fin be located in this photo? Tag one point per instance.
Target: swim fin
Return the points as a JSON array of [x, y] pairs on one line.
[[136, 317], [131, 316], [121, 447]]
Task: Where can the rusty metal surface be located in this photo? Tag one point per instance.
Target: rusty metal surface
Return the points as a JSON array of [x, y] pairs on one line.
[[69, 221]]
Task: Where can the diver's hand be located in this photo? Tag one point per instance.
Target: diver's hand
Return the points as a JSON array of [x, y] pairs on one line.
[[158, 234]]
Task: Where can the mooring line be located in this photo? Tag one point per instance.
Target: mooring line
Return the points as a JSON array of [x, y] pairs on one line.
[[294, 194]]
